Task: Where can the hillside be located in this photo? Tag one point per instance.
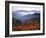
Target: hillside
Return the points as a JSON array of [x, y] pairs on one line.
[[22, 21]]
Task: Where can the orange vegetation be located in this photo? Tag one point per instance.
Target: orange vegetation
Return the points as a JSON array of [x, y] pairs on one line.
[[31, 26]]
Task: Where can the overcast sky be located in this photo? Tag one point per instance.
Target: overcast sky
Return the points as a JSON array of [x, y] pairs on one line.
[[29, 9], [14, 8]]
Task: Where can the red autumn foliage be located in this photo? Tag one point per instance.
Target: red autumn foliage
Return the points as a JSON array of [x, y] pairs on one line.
[[33, 26]]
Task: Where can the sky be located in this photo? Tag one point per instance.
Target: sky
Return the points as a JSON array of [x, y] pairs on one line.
[[14, 8], [28, 9]]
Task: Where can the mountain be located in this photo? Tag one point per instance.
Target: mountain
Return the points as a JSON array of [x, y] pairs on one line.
[[20, 13], [18, 16], [29, 17]]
